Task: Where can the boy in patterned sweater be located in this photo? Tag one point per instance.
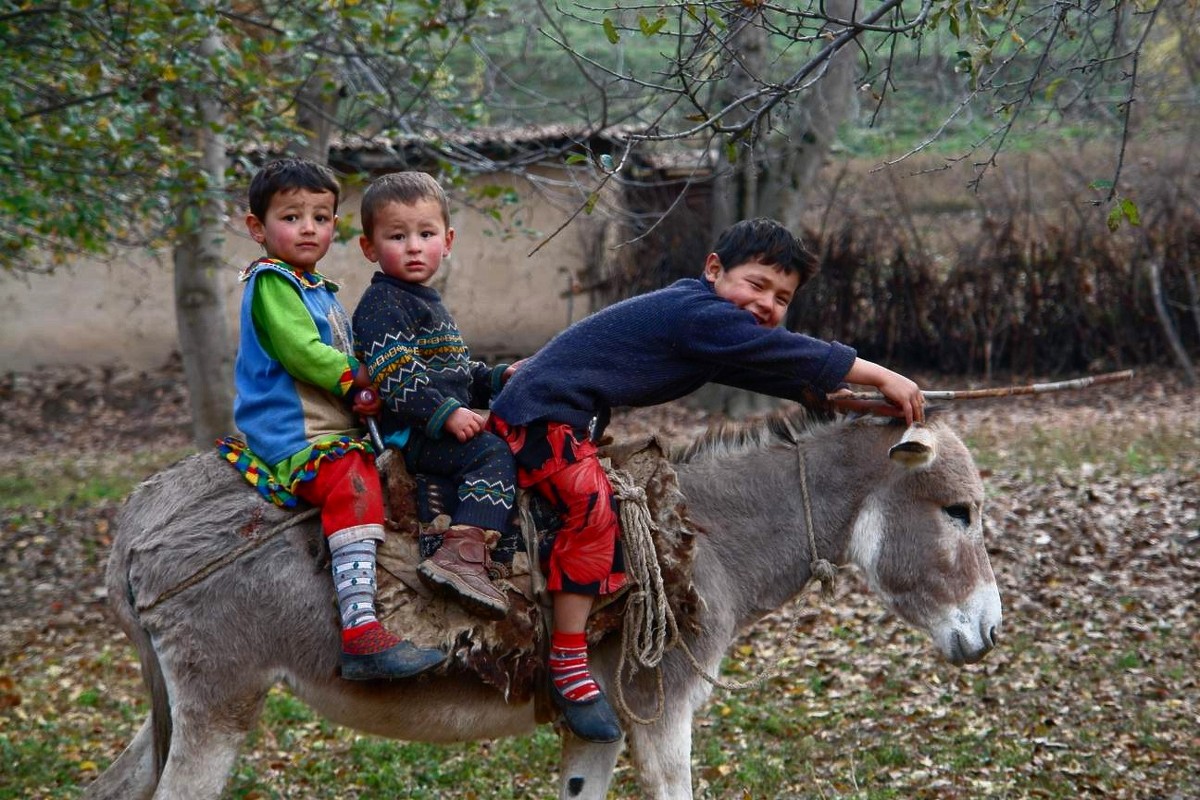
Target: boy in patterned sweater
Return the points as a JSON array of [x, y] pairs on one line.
[[295, 375], [650, 349], [429, 385]]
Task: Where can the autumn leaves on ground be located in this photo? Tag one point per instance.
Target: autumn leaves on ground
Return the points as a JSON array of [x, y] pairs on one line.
[[1094, 530]]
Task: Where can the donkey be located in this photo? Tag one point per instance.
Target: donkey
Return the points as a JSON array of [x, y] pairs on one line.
[[904, 505]]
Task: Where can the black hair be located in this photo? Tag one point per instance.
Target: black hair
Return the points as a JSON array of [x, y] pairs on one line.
[[768, 242], [286, 174], [406, 188]]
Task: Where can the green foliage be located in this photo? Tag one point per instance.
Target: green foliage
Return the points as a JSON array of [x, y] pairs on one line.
[[98, 137]]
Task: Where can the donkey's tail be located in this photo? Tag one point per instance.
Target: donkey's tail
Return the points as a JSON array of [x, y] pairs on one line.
[[136, 771], [120, 599]]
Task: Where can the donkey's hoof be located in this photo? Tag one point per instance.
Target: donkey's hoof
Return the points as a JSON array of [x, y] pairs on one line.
[[403, 660], [593, 720]]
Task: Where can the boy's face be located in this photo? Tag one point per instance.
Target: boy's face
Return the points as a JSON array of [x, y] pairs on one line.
[[762, 289], [298, 228], [409, 240]]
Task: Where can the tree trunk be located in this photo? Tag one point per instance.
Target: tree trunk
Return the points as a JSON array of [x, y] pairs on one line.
[[316, 109], [804, 140], [773, 177], [735, 185], [205, 341], [1154, 267]]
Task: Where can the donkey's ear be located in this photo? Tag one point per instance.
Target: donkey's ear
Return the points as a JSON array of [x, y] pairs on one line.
[[916, 448]]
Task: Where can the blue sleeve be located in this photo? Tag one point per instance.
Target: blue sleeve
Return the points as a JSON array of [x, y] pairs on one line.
[[772, 361]]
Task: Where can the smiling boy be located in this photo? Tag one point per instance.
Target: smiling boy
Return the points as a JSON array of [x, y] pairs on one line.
[[650, 349]]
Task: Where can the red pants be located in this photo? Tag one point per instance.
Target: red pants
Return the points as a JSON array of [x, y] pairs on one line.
[[347, 491], [562, 467]]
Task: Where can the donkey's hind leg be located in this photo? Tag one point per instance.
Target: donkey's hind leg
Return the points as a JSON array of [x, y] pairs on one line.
[[205, 738], [132, 775]]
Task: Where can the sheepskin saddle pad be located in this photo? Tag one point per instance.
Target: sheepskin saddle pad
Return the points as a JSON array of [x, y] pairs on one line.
[[509, 654]]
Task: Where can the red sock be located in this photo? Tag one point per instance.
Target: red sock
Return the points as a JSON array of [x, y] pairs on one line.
[[569, 666], [368, 639]]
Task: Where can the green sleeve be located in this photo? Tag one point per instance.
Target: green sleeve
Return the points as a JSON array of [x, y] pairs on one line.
[[289, 335]]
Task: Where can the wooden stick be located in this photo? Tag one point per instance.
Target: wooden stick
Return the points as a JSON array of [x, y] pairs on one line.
[[1003, 391]]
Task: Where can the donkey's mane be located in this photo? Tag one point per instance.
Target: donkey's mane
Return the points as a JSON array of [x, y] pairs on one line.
[[725, 439]]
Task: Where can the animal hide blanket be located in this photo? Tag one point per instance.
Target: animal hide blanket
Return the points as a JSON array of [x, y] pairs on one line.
[[510, 654]]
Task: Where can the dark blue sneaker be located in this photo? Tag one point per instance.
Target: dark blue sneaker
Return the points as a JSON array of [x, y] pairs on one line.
[[593, 720]]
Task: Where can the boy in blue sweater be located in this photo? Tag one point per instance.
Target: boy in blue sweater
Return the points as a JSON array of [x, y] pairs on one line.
[[295, 377], [650, 349], [429, 386]]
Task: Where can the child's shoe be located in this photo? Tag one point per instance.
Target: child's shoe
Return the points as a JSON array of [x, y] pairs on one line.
[[592, 720], [370, 652], [460, 568]]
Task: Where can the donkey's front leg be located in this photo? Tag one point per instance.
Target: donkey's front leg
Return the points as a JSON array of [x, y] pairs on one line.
[[662, 755], [586, 768]]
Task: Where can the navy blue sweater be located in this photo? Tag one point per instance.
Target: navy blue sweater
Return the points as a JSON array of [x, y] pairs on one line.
[[659, 347], [417, 357]]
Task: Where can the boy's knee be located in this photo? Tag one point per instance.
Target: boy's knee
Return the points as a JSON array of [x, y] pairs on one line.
[[496, 452]]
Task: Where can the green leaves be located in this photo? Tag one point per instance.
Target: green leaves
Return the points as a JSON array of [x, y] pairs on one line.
[[1123, 209], [99, 137], [610, 31]]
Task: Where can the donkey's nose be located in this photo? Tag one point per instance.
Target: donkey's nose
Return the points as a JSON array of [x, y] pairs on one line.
[[993, 636]]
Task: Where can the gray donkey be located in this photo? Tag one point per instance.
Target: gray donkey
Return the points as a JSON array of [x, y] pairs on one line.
[[902, 505]]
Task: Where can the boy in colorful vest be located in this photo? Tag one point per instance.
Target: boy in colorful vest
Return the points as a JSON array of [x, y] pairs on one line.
[[295, 377], [429, 386], [650, 349]]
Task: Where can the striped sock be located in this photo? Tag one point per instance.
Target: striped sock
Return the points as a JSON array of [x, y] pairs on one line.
[[569, 667], [354, 580]]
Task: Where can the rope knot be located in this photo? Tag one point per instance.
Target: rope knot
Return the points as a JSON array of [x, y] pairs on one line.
[[632, 494], [824, 571]]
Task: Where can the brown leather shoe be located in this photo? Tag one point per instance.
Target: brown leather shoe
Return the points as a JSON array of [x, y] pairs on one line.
[[460, 568]]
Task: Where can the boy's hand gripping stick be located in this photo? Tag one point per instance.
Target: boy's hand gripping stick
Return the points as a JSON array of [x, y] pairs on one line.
[[367, 396]]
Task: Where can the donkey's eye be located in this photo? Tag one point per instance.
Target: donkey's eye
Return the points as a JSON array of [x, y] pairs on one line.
[[959, 513]]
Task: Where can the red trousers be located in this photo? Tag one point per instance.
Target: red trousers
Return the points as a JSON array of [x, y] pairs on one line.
[[348, 492], [562, 466]]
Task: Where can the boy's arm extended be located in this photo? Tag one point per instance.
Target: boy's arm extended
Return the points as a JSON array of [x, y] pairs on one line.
[[903, 394], [288, 333]]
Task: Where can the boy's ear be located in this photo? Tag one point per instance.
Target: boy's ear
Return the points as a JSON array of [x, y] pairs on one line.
[[368, 249], [255, 226], [449, 239], [713, 267]]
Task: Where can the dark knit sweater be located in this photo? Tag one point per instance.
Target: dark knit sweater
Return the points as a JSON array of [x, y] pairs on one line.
[[417, 357], [659, 347]]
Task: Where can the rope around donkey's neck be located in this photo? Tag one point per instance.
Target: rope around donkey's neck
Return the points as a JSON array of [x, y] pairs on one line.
[[650, 623]]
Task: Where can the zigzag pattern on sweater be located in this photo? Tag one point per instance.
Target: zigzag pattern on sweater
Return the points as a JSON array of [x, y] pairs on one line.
[[403, 365], [497, 493]]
